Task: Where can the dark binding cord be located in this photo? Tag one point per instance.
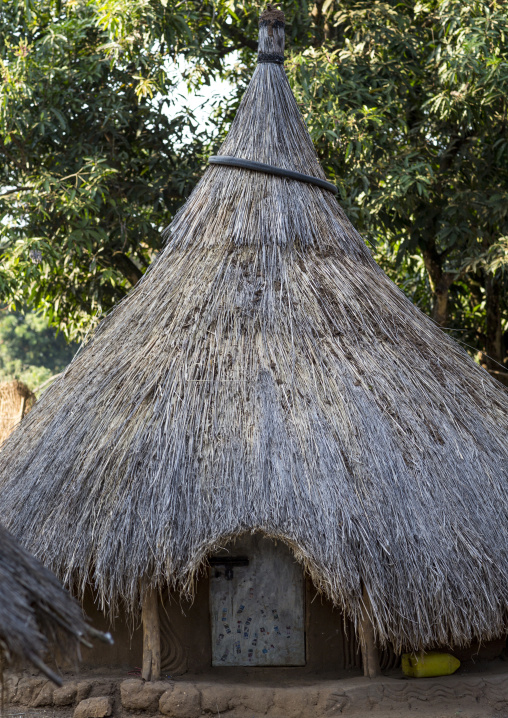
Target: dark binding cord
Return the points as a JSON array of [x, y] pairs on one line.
[[273, 57], [271, 170]]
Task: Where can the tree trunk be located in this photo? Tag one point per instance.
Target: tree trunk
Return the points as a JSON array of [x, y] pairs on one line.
[[151, 636], [440, 310], [370, 655], [127, 267], [493, 329], [440, 283]]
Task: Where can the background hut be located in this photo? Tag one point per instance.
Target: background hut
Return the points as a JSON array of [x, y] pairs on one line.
[[16, 400], [36, 614], [265, 381]]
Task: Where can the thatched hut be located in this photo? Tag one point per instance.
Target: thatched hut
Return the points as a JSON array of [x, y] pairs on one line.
[[36, 614], [16, 400], [266, 382]]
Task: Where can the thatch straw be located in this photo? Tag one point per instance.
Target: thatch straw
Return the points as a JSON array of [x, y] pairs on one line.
[[36, 613], [265, 375], [16, 400]]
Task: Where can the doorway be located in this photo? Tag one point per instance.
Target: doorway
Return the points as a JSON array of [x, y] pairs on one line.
[[257, 604]]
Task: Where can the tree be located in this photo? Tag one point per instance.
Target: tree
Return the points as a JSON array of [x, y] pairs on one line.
[[407, 105], [93, 162]]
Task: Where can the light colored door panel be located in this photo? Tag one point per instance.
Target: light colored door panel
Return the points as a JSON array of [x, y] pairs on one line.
[[257, 610]]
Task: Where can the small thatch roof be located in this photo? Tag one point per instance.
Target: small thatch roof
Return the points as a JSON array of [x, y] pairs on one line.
[[265, 374], [36, 613], [16, 400]]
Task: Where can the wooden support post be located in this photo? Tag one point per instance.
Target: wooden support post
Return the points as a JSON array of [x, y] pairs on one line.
[[151, 636], [22, 409], [370, 655]]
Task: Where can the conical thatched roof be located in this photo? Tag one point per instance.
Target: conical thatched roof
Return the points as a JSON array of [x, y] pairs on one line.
[[36, 613], [266, 375]]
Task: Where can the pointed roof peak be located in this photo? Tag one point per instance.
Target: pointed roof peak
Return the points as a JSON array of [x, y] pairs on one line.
[[268, 127], [272, 14], [272, 25]]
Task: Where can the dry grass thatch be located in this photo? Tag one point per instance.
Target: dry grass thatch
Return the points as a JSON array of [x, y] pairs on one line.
[[16, 400], [266, 375], [36, 613]]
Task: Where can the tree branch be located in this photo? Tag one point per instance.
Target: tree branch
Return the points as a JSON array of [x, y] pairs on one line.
[[239, 37], [15, 190]]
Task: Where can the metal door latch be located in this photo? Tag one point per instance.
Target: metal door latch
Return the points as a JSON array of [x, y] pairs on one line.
[[228, 562]]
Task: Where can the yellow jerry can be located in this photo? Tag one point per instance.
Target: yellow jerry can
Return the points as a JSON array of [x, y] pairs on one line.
[[424, 665]]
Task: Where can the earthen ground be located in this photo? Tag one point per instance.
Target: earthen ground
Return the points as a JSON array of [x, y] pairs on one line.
[[479, 691]]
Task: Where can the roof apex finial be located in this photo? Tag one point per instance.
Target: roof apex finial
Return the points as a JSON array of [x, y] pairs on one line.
[[272, 12], [271, 36]]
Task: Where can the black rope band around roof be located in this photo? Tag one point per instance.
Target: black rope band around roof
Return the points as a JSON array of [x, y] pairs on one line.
[[270, 57], [271, 170], [276, 24]]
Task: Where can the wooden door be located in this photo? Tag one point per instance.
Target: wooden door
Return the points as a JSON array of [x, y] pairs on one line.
[[257, 605]]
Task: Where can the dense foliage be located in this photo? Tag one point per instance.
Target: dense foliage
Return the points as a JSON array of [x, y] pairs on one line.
[[405, 101], [93, 162]]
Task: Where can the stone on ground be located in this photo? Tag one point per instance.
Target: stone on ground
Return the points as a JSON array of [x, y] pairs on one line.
[[182, 701], [66, 695], [136, 695], [98, 707]]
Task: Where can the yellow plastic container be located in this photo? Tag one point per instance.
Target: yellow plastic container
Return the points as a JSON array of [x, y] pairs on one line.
[[425, 665]]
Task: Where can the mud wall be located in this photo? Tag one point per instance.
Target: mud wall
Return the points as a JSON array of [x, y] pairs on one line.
[[329, 647]]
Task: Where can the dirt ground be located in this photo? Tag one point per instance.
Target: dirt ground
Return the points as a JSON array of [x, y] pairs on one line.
[[475, 691], [446, 710]]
